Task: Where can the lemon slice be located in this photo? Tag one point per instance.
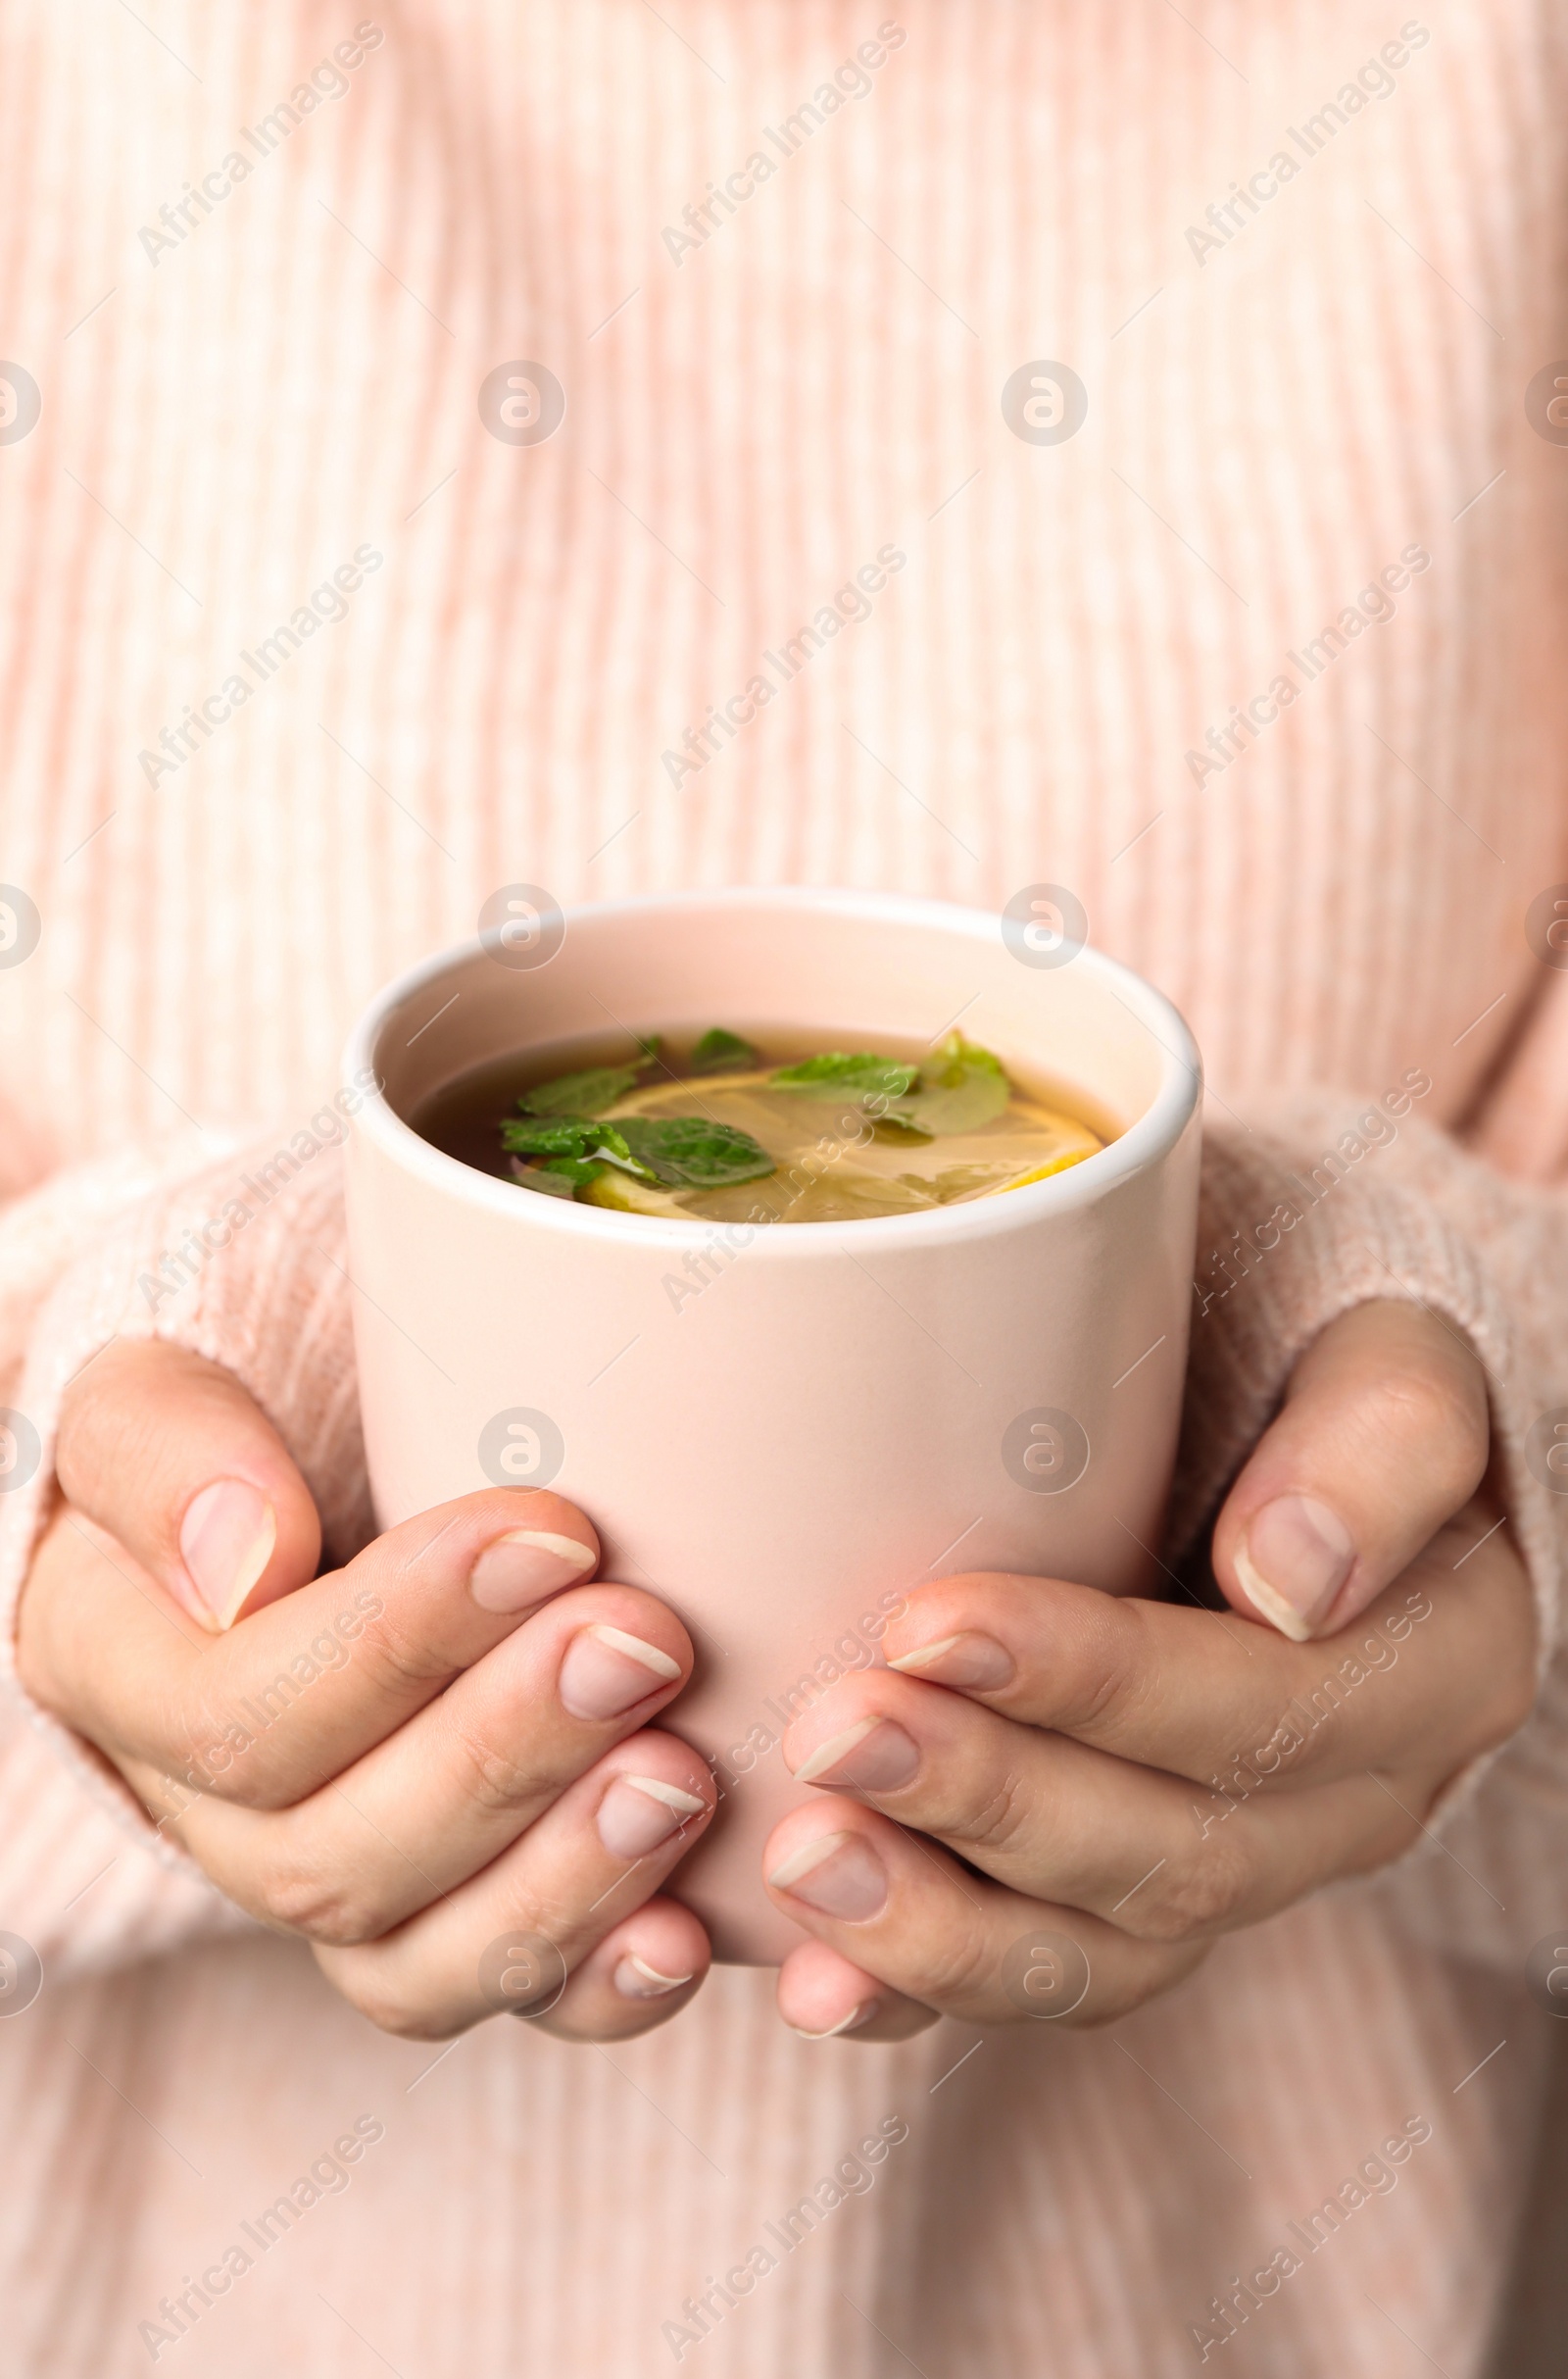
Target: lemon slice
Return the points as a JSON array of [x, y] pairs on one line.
[[1043, 1173], [693, 1095], [626, 1196]]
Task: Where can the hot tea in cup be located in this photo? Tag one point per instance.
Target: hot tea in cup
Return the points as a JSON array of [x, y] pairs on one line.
[[724, 1129]]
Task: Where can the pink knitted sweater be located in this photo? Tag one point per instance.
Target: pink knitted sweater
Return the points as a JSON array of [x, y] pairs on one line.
[[303, 654]]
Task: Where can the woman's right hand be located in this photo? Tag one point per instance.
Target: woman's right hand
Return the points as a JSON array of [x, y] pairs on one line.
[[435, 1763]]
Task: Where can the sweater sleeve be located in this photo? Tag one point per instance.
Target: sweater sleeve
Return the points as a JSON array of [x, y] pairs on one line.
[[1318, 1206], [246, 1265]]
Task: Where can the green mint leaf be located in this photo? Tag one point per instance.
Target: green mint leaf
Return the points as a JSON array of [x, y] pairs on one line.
[[558, 1177], [573, 1139], [961, 1089], [590, 1092], [723, 1053], [574, 1172], [566, 1136], [687, 1152], [954, 1060], [583, 1094], [835, 1076]]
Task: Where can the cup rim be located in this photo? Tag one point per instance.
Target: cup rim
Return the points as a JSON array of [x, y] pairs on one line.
[[1144, 1143]]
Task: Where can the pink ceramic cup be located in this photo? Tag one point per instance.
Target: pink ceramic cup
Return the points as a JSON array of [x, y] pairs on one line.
[[779, 1430]]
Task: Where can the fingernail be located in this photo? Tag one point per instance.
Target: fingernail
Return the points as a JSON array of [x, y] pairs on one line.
[[874, 1756], [639, 1811], [838, 1876], [225, 1542], [634, 1978], [966, 1660], [525, 1566], [852, 2022], [1297, 1557], [605, 1671]]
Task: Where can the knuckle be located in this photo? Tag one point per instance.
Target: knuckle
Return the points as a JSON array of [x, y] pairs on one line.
[[402, 1661], [1113, 1675], [301, 1895], [958, 1971], [996, 1816], [1416, 1406], [251, 1789], [1196, 1896], [496, 1784], [371, 1990], [107, 1417], [238, 1776]]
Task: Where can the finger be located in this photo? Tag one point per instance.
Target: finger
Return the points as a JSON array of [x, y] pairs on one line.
[[1441, 1667], [268, 1712], [643, 1973], [170, 1454], [535, 1914], [1059, 1821], [1383, 1435], [823, 1996], [448, 1790], [906, 1912]]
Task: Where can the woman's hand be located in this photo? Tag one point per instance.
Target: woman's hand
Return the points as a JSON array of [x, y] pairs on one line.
[[1136, 1779], [434, 1764]]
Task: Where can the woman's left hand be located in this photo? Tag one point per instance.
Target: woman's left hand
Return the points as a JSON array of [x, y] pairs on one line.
[[1054, 1801]]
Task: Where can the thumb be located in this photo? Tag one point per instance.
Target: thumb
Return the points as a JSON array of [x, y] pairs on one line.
[[1383, 1436], [169, 1454]]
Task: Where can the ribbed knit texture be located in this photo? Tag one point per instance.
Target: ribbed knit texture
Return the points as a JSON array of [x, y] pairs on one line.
[[296, 379]]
